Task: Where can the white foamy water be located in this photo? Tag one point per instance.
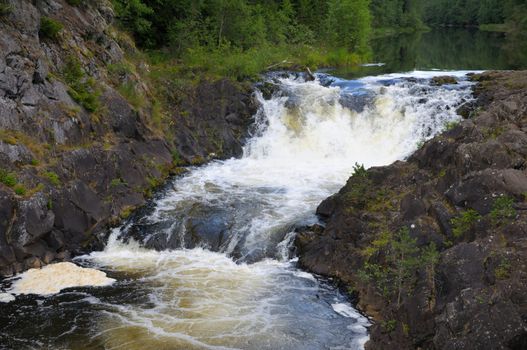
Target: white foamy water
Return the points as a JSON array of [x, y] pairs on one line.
[[53, 278], [247, 293]]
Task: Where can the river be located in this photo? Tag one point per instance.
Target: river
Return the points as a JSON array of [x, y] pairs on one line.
[[209, 264]]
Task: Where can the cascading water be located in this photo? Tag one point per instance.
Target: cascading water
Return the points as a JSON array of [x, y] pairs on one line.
[[208, 267]]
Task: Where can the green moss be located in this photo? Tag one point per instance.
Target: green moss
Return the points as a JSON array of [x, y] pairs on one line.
[[462, 224], [50, 28]]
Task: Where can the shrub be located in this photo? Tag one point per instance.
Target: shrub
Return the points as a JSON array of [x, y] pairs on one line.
[[74, 2], [20, 190], [81, 88], [5, 8], [465, 222], [503, 270], [49, 28], [52, 177], [402, 259], [117, 182], [502, 210], [8, 179]]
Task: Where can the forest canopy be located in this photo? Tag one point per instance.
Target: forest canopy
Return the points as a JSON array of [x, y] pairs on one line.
[[241, 37]]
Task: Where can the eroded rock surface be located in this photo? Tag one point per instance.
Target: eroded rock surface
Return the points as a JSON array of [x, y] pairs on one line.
[[70, 166]]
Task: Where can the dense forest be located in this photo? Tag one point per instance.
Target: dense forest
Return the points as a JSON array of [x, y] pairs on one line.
[[241, 37], [475, 12]]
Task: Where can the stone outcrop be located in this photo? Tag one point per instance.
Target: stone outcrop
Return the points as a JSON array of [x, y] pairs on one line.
[[78, 150], [461, 198]]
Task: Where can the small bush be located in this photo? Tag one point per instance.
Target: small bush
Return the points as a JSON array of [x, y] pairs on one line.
[[20, 190], [5, 8], [465, 222], [8, 179], [503, 270], [502, 210], [82, 89], [117, 182], [49, 28], [52, 177]]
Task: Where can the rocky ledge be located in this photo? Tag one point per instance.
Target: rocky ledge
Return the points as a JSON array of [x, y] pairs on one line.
[[85, 135], [434, 248]]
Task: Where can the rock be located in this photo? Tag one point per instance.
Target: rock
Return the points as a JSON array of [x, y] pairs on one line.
[[474, 296], [444, 80]]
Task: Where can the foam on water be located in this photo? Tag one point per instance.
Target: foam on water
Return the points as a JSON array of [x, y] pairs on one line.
[[53, 278]]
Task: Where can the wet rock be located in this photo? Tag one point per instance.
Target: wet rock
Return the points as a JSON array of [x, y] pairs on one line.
[[443, 80], [473, 297]]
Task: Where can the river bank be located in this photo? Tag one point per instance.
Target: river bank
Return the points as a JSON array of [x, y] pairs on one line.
[[84, 139], [433, 247]]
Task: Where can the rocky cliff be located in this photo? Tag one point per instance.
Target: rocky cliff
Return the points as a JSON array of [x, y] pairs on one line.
[[434, 248], [84, 136]]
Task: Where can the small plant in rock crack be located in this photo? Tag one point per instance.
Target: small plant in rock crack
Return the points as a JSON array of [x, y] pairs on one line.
[[357, 194], [502, 210], [465, 222], [397, 258]]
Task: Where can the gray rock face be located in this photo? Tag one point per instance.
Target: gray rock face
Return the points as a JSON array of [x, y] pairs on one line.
[[77, 172]]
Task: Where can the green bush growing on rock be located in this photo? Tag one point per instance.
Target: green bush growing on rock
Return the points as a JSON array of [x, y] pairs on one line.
[[5, 8], [81, 88], [8, 179], [397, 271], [502, 210], [503, 270], [20, 190], [52, 177], [356, 196], [50, 28], [464, 223], [451, 125]]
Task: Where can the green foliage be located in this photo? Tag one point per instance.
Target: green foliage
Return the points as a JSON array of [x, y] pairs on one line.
[[502, 210], [5, 8], [360, 184], [397, 272], [451, 125], [503, 270], [359, 170], [50, 28], [476, 12], [129, 91], [176, 158], [7, 178], [52, 177], [75, 2], [462, 224], [389, 325], [81, 88], [20, 189], [117, 182], [348, 23]]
